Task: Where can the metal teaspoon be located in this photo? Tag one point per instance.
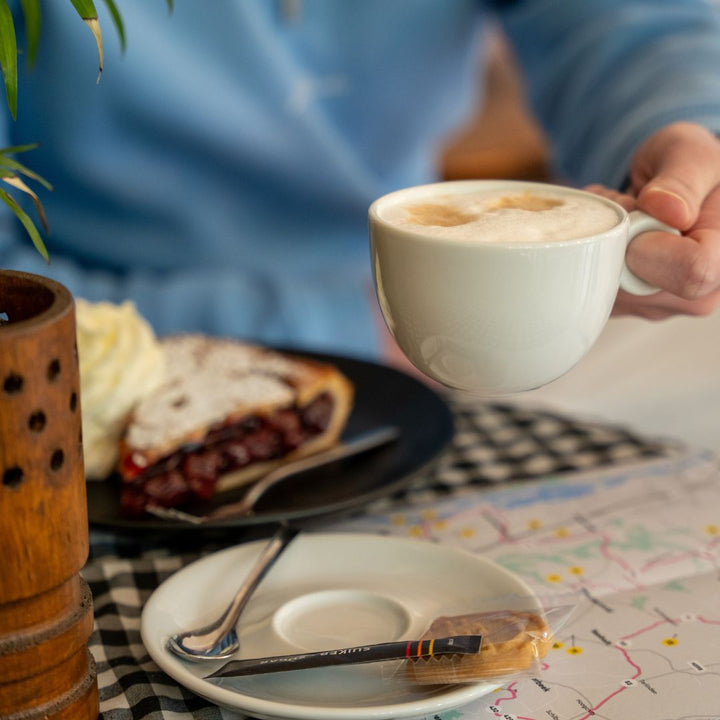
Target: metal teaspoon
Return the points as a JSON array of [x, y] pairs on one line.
[[219, 639]]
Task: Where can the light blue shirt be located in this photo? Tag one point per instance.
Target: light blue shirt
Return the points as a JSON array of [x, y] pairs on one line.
[[219, 174]]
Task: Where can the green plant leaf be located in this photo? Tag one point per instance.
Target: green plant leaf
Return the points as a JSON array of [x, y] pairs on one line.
[[18, 183], [118, 22], [170, 4], [14, 167], [87, 11], [19, 148], [8, 56], [10, 169], [28, 224], [32, 18]]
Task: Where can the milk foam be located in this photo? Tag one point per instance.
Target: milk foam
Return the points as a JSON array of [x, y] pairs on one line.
[[504, 216]]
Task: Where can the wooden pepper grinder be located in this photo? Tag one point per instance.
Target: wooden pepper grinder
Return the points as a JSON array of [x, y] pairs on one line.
[[46, 614]]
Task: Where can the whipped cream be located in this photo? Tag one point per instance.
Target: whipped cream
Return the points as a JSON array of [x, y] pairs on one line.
[[121, 361]]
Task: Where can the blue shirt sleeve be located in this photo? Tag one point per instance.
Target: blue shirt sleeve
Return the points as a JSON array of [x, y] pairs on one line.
[[603, 75]]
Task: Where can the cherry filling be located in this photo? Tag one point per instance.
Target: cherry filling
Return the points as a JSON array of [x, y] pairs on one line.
[[191, 473]]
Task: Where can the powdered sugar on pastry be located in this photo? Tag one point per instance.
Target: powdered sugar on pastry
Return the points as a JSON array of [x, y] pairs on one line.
[[208, 380], [227, 413]]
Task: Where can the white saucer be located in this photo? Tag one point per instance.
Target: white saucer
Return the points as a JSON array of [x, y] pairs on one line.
[[329, 591]]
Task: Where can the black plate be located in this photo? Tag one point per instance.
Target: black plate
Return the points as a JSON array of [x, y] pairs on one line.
[[383, 396]]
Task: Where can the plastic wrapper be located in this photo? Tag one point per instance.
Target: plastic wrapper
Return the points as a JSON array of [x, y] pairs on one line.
[[513, 642]]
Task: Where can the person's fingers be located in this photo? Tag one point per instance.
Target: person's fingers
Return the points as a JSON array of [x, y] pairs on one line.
[[663, 305], [674, 171], [681, 265], [626, 201], [687, 266]]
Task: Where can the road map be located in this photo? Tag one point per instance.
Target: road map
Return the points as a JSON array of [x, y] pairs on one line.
[[636, 550]]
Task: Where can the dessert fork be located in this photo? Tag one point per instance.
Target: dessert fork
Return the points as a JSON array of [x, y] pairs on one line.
[[244, 507]]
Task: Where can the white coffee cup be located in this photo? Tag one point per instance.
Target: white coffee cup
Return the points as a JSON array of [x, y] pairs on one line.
[[498, 317]]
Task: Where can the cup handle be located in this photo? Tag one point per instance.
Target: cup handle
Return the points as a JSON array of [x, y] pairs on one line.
[[641, 222]]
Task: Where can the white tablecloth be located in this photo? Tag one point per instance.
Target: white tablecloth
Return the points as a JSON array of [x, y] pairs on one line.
[[660, 378]]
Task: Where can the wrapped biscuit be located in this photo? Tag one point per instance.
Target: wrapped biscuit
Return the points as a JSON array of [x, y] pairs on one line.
[[512, 642]]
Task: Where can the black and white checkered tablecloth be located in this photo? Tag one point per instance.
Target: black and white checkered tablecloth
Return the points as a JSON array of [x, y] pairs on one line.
[[493, 444]]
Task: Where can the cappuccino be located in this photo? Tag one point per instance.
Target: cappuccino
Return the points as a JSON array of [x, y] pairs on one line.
[[500, 216]]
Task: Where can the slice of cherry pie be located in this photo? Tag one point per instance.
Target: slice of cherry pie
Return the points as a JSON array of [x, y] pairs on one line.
[[227, 413]]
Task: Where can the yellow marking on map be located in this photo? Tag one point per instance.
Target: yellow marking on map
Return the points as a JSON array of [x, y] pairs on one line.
[[553, 578], [415, 531], [534, 524], [712, 529], [576, 570], [670, 642], [574, 650], [398, 520], [428, 514], [562, 532], [467, 532], [440, 524]]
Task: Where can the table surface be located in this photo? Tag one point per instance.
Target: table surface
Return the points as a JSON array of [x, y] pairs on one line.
[[495, 447]]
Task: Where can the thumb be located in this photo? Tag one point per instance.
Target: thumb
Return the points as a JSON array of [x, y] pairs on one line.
[[674, 171]]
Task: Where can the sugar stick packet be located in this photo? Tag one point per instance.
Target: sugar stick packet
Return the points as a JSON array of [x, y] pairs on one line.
[[399, 650]]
